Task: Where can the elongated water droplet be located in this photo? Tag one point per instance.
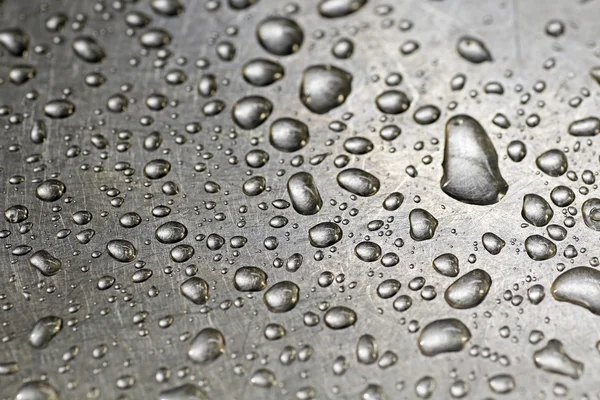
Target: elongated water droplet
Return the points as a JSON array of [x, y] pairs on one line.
[[443, 336], [304, 194], [473, 50], [579, 286], [358, 181], [339, 8], [44, 330]]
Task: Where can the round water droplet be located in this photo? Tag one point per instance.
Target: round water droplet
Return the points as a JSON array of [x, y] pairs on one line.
[[282, 297], [280, 36], [251, 111], [288, 135], [324, 87], [207, 346]]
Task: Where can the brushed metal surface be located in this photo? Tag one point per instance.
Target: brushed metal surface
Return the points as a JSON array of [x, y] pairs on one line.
[[523, 54]]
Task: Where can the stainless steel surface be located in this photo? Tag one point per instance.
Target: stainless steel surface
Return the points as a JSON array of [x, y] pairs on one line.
[[102, 156]]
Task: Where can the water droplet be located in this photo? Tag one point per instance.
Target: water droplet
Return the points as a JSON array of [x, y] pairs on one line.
[[471, 172], [422, 224], [250, 279], [579, 286], [469, 290], [340, 317], [282, 297], [552, 162], [288, 135], [88, 49], [339, 8], [447, 265], [304, 194], [536, 210], [121, 250], [44, 330], [473, 50], [251, 111], [195, 290], [207, 346], [539, 248], [280, 36], [553, 358], [262, 72], [325, 234], [45, 262], [358, 181], [324, 87], [443, 336], [392, 102]]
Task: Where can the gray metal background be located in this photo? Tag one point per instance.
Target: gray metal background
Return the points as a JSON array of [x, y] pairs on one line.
[[513, 31]]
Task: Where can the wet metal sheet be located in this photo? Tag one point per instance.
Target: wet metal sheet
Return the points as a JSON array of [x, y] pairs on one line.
[[262, 199]]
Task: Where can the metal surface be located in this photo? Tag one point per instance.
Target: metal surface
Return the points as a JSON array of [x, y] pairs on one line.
[[145, 356]]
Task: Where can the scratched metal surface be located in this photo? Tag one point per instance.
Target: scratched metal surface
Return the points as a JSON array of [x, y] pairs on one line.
[[523, 53]]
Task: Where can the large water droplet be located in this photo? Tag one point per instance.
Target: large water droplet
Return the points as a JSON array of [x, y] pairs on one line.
[[552, 162], [325, 234], [471, 172], [45, 262], [422, 224], [207, 346], [340, 317], [446, 264], [37, 390], [304, 194], [473, 50], [186, 391], [262, 72], [553, 358], [443, 336], [469, 290], [250, 279], [121, 250], [15, 41], [339, 8], [288, 135], [88, 49], [358, 181], [280, 36], [539, 248], [44, 330], [324, 87], [392, 102], [195, 289], [282, 297], [590, 210], [579, 286], [536, 210], [589, 126], [251, 111]]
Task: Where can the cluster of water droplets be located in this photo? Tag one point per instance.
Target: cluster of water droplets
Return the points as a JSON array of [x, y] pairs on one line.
[[208, 199]]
